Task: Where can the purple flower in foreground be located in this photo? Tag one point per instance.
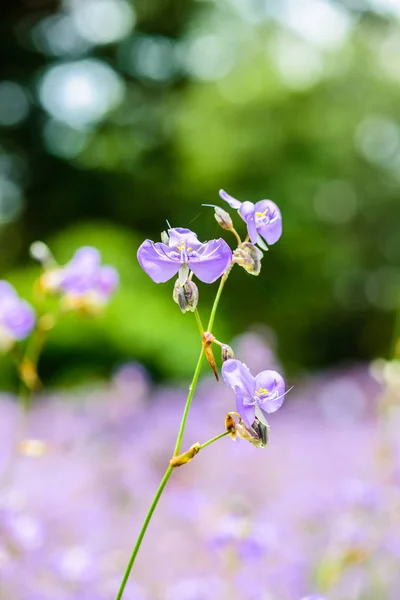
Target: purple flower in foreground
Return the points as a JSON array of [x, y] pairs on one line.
[[263, 219], [255, 396], [17, 317], [85, 275], [184, 252]]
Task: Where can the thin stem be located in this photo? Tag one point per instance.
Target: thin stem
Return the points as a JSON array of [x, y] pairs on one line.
[[178, 444], [237, 236], [143, 531], [217, 298], [199, 323], [192, 389], [214, 439], [196, 375]]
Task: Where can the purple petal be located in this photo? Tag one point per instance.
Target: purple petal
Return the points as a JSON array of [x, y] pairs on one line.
[[108, 280], [229, 199], [159, 261], [272, 230], [247, 212], [177, 235], [237, 375], [246, 411], [6, 290], [86, 257], [211, 260], [20, 319], [275, 384]]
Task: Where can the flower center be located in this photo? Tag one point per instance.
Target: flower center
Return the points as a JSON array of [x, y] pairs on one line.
[[262, 392], [183, 251], [266, 217]]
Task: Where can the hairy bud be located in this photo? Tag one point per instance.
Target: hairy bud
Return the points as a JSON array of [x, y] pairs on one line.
[[223, 218], [186, 295], [41, 252], [226, 352], [249, 257]]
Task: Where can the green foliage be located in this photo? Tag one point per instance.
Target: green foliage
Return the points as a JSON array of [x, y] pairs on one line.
[[247, 103]]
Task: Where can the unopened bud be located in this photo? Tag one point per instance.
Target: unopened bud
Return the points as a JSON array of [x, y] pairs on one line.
[[183, 459], [165, 237], [41, 252], [226, 352], [249, 257], [223, 218], [186, 295]]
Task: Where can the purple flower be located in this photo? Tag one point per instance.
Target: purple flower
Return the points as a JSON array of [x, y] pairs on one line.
[[85, 275], [183, 252], [263, 219], [255, 396], [17, 317]]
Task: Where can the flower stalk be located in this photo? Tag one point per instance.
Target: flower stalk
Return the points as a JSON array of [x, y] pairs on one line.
[[174, 460]]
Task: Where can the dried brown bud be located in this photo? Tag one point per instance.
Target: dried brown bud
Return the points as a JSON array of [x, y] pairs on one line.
[[28, 374], [226, 352], [186, 295], [230, 425], [208, 339], [249, 257]]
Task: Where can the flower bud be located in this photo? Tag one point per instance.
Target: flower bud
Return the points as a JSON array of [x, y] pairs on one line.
[[42, 253], [226, 352], [183, 459], [165, 238], [257, 434], [186, 295], [249, 257], [223, 218]]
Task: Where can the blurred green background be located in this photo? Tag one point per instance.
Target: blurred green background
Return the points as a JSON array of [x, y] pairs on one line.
[[117, 114]]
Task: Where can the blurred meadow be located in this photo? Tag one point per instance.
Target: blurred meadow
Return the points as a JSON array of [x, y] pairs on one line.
[[117, 116]]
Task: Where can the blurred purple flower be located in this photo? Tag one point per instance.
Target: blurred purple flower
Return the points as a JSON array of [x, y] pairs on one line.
[[183, 252], [263, 219], [255, 396], [84, 274], [17, 317]]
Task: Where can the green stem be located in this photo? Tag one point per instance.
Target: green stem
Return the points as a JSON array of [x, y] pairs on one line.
[[143, 531], [196, 375], [199, 323], [214, 439], [178, 444], [189, 399]]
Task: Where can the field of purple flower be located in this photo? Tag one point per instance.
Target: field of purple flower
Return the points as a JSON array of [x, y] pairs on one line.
[[314, 513]]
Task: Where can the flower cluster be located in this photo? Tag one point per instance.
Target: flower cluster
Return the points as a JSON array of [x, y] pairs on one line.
[[259, 527], [180, 252], [83, 283]]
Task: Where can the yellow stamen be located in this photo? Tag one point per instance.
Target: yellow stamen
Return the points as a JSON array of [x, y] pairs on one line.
[[261, 392], [262, 214]]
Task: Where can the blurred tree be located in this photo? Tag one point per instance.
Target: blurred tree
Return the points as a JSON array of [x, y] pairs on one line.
[[138, 112]]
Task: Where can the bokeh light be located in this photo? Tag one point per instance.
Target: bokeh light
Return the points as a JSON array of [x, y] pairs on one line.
[[14, 103], [81, 93]]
